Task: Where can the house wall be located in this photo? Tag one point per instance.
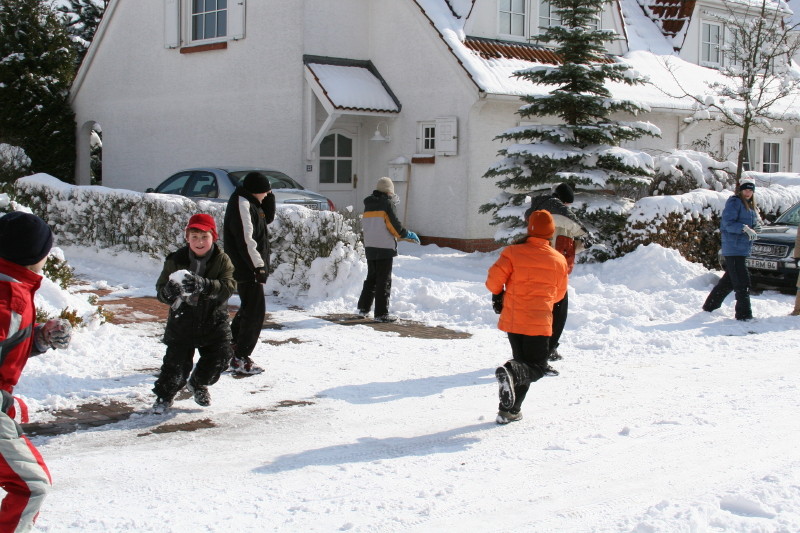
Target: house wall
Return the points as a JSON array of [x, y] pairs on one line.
[[162, 110]]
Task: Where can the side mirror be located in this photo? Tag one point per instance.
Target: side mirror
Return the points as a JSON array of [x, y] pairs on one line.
[[149, 189]]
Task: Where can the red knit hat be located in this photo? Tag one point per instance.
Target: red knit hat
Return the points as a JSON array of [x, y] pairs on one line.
[[203, 222], [540, 224]]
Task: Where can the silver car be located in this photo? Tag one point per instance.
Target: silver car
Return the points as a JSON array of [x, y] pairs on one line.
[[218, 184]]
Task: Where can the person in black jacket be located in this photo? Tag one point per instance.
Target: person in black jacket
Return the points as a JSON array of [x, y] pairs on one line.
[[196, 282], [250, 209], [381, 229]]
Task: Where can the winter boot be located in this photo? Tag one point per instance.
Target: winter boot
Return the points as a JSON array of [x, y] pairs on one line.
[[201, 395], [549, 370], [245, 365], [554, 355], [504, 417], [363, 313], [506, 391], [386, 318], [796, 311], [161, 406]]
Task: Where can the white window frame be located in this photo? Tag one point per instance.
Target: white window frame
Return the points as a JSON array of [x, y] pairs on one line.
[[178, 23], [339, 183], [749, 162], [774, 165], [708, 46], [192, 17], [426, 137], [511, 8]]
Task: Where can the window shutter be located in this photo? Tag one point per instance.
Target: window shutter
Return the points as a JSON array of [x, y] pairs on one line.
[[446, 136], [730, 147], [795, 155], [236, 10], [172, 23]]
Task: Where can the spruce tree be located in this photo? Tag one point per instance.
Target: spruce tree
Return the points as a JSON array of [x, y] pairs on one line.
[[582, 148], [37, 66], [82, 18]]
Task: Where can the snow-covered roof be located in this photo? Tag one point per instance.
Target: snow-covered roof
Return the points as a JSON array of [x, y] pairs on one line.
[[352, 85], [651, 54], [671, 16]]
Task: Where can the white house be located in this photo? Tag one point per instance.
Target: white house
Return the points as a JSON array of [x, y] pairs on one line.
[[338, 94]]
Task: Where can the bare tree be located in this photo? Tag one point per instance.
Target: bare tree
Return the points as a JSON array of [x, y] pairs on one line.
[[758, 71]]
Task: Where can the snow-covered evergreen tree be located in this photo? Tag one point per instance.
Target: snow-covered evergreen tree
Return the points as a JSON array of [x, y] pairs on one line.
[[36, 69], [581, 143], [82, 18]]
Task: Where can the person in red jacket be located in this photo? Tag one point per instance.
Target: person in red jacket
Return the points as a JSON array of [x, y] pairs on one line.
[[534, 277], [25, 242]]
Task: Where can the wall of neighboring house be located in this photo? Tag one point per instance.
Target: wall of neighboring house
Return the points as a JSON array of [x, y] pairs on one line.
[[162, 110]]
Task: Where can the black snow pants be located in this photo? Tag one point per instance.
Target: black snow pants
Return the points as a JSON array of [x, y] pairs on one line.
[[530, 354], [559, 321], [736, 279], [178, 362], [249, 319], [377, 286]]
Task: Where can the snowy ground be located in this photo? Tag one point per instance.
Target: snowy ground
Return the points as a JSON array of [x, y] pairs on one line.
[[664, 418]]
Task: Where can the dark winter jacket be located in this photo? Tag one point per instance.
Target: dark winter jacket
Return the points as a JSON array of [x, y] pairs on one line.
[[245, 233], [381, 227], [734, 217], [17, 316], [568, 227], [206, 322]]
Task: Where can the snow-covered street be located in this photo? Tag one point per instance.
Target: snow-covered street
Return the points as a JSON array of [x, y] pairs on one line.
[[664, 418]]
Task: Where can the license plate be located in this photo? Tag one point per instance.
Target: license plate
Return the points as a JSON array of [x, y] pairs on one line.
[[761, 263]]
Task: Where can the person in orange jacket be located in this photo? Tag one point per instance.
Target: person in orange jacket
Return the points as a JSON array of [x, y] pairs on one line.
[[534, 277]]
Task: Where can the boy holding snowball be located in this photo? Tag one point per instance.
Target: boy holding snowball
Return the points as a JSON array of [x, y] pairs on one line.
[[196, 282]]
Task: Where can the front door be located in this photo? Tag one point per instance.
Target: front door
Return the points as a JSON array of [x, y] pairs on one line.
[[337, 168]]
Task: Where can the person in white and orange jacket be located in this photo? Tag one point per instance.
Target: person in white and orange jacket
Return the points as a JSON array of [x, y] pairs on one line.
[[534, 277], [25, 242]]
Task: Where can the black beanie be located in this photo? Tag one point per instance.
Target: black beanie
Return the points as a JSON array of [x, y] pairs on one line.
[[25, 239], [256, 183], [564, 193]]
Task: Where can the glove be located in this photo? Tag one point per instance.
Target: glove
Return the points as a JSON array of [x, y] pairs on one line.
[[758, 226], [194, 284], [171, 291], [411, 236], [751, 234], [587, 243], [497, 302], [55, 333], [261, 275]]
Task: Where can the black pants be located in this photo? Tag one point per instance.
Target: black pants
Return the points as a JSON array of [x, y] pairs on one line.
[[377, 286], [249, 319], [736, 279], [559, 320], [178, 362], [530, 354]]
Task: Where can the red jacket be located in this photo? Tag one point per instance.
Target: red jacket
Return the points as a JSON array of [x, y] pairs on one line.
[[17, 313], [534, 276]]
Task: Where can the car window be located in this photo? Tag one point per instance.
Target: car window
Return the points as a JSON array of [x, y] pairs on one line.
[[174, 184], [790, 217], [279, 180], [204, 185]]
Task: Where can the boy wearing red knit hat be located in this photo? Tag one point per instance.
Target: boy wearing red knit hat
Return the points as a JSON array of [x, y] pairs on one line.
[[196, 282]]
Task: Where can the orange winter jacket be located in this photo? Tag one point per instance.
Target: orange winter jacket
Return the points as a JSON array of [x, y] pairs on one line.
[[534, 276]]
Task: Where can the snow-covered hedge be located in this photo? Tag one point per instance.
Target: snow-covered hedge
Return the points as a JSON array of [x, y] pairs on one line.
[[689, 222], [309, 249]]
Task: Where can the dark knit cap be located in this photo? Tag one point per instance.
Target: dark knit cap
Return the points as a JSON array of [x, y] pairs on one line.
[[25, 239], [256, 183], [564, 193]]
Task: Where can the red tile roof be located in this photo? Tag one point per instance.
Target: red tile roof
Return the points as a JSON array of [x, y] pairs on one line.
[[495, 49], [669, 15]]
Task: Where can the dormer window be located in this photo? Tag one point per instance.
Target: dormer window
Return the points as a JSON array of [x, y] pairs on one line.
[[711, 44], [512, 17]]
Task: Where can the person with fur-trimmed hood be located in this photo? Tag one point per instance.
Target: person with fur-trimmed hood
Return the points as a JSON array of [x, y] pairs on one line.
[[250, 210], [25, 242], [570, 238], [534, 277], [196, 282], [381, 229]]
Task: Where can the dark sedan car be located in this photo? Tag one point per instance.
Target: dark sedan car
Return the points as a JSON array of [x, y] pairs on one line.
[[771, 262], [210, 183]]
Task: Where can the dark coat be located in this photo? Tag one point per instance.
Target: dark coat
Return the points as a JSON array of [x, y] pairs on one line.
[[207, 322], [245, 233], [381, 227]]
